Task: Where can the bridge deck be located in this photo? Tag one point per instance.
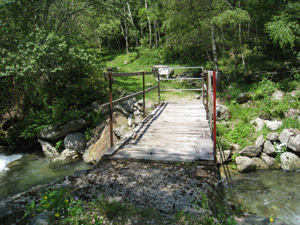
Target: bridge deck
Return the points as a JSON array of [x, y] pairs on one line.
[[176, 132]]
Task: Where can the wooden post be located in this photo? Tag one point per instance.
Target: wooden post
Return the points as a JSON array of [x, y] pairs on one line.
[[144, 107], [203, 89], [111, 110], [215, 121]]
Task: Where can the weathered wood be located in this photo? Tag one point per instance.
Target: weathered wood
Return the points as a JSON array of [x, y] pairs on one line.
[[171, 135], [121, 74]]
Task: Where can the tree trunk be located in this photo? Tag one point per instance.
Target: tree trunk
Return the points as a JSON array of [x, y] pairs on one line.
[[214, 47], [209, 59], [99, 43], [149, 25], [155, 32]]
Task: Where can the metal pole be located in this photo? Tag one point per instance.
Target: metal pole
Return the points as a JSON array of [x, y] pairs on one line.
[[111, 110], [144, 108], [203, 88], [215, 122], [158, 89], [207, 109]]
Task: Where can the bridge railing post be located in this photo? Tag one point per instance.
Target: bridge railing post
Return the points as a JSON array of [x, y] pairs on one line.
[[144, 96], [215, 116], [111, 111]]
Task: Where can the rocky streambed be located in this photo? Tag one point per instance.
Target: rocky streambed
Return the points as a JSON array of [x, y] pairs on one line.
[[167, 188]]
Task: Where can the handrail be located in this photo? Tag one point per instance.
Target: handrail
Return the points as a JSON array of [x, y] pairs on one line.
[[120, 100]]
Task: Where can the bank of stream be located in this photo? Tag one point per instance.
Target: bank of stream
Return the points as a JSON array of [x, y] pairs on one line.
[[20, 172], [267, 193]]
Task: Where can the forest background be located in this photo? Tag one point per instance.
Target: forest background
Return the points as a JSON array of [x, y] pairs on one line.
[[53, 51]]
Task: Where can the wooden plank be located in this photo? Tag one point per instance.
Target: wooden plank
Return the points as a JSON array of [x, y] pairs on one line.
[[163, 157]]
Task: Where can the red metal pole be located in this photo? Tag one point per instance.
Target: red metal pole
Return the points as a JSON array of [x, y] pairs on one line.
[[215, 122], [144, 109], [207, 109], [111, 110]]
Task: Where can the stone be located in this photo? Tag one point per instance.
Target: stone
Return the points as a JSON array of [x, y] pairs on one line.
[[245, 164], [121, 109], [273, 125], [136, 113], [43, 218], [129, 104], [277, 95], [244, 97], [66, 157], [295, 92], [119, 118], [285, 136], [269, 148], [224, 157], [138, 119], [273, 136], [48, 149], [289, 161], [140, 102], [130, 121], [271, 162], [223, 112], [260, 141], [294, 143], [251, 151], [260, 164], [201, 173], [75, 141], [292, 113], [61, 130], [258, 124], [198, 97], [234, 147], [120, 131], [96, 149]]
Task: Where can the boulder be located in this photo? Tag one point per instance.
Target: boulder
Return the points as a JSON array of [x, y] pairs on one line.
[[244, 97], [119, 118], [234, 147], [138, 119], [295, 92], [130, 121], [285, 135], [292, 113], [224, 157], [140, 102], [258, 124], [66, 157], [277, 95], [245, 164], [136, 113], [273, 125], [121, 109], [199, 97], [43, 218], [162, 70], [75, 141], [223, 112], [269, 148], [260, 141], [120, 131], [61, 130], [251, 151], [129, 104], [273, 136], [294, 143], [48, 149], [99, 146], [260, 164], [271, 162], [289, 161]]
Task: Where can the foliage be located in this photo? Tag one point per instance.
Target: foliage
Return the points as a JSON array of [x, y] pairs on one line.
[[280, 149]]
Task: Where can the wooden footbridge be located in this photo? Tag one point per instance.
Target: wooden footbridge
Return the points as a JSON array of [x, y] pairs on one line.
[[174, 131]]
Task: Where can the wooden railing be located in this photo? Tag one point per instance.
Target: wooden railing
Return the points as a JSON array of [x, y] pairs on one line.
[[110, 77]]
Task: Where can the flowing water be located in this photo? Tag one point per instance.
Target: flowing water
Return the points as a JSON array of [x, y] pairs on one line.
[[266, 193], [19, 172]]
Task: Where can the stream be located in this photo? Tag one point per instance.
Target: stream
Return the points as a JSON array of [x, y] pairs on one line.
[[267, 193], [20, 172]]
